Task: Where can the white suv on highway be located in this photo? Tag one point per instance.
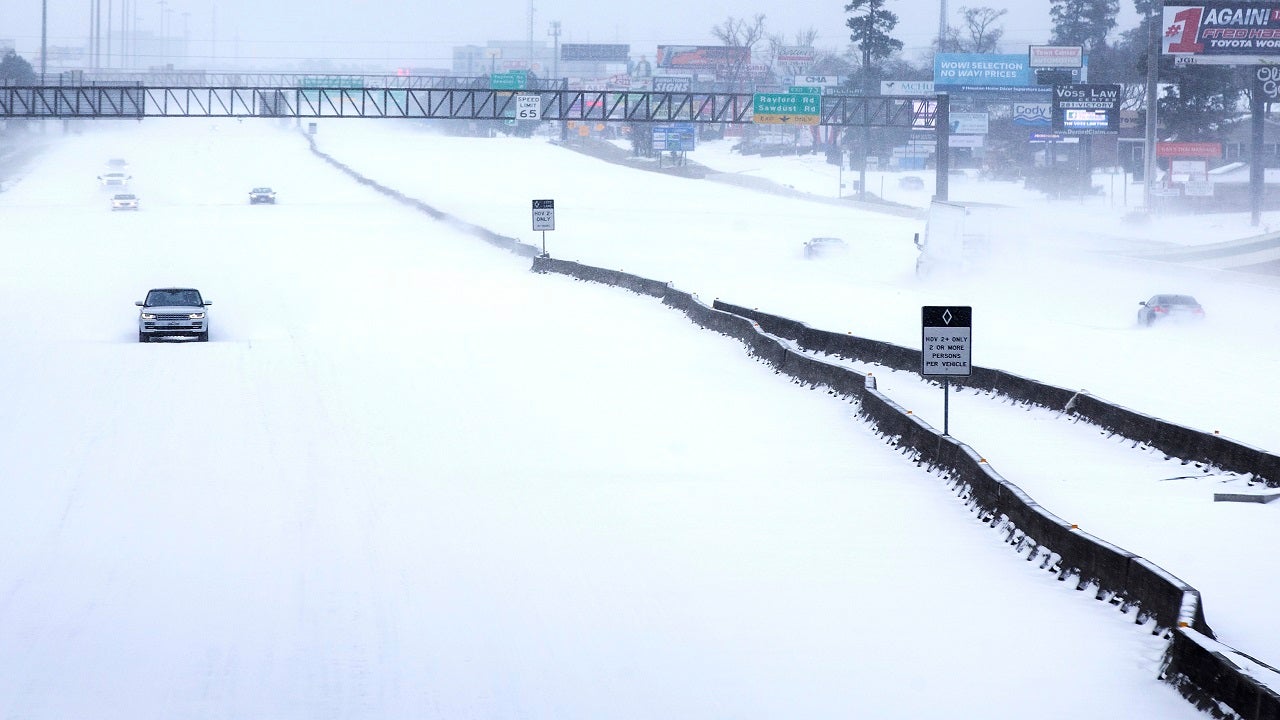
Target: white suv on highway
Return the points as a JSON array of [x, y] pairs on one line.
[[169, 312]]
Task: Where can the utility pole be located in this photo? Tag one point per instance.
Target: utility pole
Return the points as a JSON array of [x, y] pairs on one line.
[[1153, 75], [163, 49], [530, 34], [44, 39], [942, 24], [554, 32]]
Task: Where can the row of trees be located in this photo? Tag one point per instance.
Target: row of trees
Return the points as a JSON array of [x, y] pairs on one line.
[[1199, 102]]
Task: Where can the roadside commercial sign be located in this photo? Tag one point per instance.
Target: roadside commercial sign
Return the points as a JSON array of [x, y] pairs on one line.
[[672, 83], [674, 137], [786, 108], [595, 52], [947, 340], [1086, 109], [968, 123], [1189, 149], [966, 141], [1266, 82], [982, 72], [1198, 188], [906, 87], [819, 80], [544, 215], [1055, 56], [1221, 33], [528, 107], [1033, 114], [702, 58], [795, 54]]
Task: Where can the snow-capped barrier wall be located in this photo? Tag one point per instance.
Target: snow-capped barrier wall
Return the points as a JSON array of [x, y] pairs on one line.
[[1208, 673], [1203, 669], [1174, 440], [502, 241]]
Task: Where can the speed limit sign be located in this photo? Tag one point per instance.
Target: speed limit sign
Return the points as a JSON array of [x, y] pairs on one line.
[[528, 107]]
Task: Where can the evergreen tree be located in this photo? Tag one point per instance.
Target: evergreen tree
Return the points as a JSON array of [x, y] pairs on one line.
[[1083, 22], [871, 25], [16, 71]]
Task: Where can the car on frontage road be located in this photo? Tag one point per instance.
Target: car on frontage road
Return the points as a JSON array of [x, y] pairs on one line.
[[124, 201], [822, 247], [173, 312], [1169, 307], [262, 195]]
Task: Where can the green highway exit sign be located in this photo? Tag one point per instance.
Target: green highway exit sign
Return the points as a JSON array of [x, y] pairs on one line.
[[786, 108]]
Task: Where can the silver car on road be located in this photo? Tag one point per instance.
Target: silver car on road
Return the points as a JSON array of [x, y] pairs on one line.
[[173, 312]]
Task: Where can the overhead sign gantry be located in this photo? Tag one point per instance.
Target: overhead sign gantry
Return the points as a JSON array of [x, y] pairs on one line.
[[96, 101]]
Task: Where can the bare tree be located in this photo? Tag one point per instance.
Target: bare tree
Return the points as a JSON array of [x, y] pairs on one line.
[[979, 22], [739, 33], [777, 42], [979, 34]]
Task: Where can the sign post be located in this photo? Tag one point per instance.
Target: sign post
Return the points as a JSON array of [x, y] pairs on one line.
[[945, 349], [544, 219]]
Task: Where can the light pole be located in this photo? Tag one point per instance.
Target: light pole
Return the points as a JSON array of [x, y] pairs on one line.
[[554, 32], [44, 39], [1153, 75], [163, 49]]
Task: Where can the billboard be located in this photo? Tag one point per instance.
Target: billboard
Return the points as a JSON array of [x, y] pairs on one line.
[[595, 52], [702, 58], [1056, 56], [1221, 33], [906, 87], [973, 72], [1033, 114], [672, 83], [1086, 109], [795, 54], [968, 123], [1189, 149]]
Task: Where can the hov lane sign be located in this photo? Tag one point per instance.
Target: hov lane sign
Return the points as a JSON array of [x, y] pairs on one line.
[[947, 340], [544, 215]]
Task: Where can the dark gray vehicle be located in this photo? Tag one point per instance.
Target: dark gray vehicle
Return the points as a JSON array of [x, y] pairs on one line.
[[262, 195], [1169, 307], [173, 312]]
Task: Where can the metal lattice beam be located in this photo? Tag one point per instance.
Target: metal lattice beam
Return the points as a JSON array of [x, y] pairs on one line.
[[435, 103]]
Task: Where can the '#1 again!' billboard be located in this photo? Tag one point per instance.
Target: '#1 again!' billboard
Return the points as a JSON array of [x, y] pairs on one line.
[[1221, 33]]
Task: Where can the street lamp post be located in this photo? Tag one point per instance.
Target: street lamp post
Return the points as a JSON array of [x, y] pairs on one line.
[[44, 39], [1153, 75]]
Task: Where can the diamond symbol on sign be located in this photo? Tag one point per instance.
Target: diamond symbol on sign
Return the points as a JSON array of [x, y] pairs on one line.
[[946, 316]]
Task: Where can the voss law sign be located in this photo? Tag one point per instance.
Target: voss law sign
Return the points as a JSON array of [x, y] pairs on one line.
[[1222, 33]]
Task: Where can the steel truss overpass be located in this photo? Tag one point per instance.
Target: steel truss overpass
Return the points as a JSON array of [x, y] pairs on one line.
[[135, 101], [97, 101]]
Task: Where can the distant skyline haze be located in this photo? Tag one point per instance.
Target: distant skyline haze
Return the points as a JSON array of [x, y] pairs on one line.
[[285, 34]]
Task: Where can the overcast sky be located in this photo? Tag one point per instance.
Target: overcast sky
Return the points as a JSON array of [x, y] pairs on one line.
[[420, 35]]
